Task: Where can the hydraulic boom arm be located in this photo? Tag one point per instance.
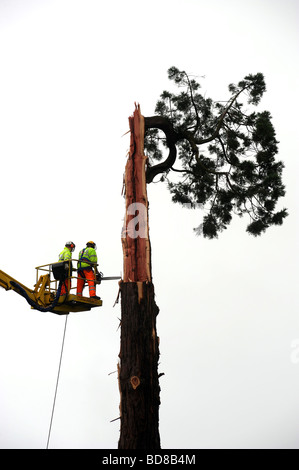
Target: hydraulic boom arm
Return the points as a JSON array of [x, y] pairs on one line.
[[5, 282]]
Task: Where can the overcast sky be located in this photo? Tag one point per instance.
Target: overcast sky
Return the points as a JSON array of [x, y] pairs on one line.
[[71, 71]]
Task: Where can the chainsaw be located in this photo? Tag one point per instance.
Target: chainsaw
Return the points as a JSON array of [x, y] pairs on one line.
[[100, 277]]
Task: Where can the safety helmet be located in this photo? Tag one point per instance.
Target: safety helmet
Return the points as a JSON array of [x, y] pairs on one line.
[[71, 245], [91, 244]]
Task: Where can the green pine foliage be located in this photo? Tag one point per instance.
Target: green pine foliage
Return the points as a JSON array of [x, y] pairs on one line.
[[225, 154]]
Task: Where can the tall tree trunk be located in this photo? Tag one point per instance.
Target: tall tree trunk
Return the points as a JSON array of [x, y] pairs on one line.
[[139, 348]]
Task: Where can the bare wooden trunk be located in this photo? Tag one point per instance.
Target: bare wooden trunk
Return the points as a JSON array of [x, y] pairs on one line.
[[139, 349]]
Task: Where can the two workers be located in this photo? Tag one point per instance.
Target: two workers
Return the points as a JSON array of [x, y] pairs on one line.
[[86, 267]]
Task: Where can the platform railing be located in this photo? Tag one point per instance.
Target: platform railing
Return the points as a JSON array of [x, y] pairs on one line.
[[47, 269]]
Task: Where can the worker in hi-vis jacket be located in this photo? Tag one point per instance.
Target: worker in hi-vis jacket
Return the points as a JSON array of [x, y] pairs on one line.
[[87, 261], [66, 255]]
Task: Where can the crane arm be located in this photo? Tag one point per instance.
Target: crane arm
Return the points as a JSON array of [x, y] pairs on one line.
[[5, 282], [38, 298]]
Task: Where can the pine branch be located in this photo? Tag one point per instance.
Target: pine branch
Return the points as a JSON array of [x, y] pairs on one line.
[[215, 133]]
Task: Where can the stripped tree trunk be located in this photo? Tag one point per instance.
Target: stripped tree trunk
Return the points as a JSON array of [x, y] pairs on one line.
[[139, 348]]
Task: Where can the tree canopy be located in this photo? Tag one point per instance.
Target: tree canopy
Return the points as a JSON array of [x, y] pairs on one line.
[[224, 153]]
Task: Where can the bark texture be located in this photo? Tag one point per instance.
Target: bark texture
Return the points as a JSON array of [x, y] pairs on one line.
[[138, 373], [139, 348]]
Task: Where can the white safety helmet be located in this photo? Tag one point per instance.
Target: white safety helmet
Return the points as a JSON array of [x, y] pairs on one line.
[[71, 245]]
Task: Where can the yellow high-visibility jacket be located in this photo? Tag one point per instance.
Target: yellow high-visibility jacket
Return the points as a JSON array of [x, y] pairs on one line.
[[87, 256], [65, 254]]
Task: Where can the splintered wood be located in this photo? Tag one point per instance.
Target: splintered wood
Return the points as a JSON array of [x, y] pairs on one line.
[[135, 234]]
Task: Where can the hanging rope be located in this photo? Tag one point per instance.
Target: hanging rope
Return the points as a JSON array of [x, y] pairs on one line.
[[66, 317]]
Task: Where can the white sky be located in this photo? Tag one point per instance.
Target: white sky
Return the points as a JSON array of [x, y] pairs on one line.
[[71, 71]]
